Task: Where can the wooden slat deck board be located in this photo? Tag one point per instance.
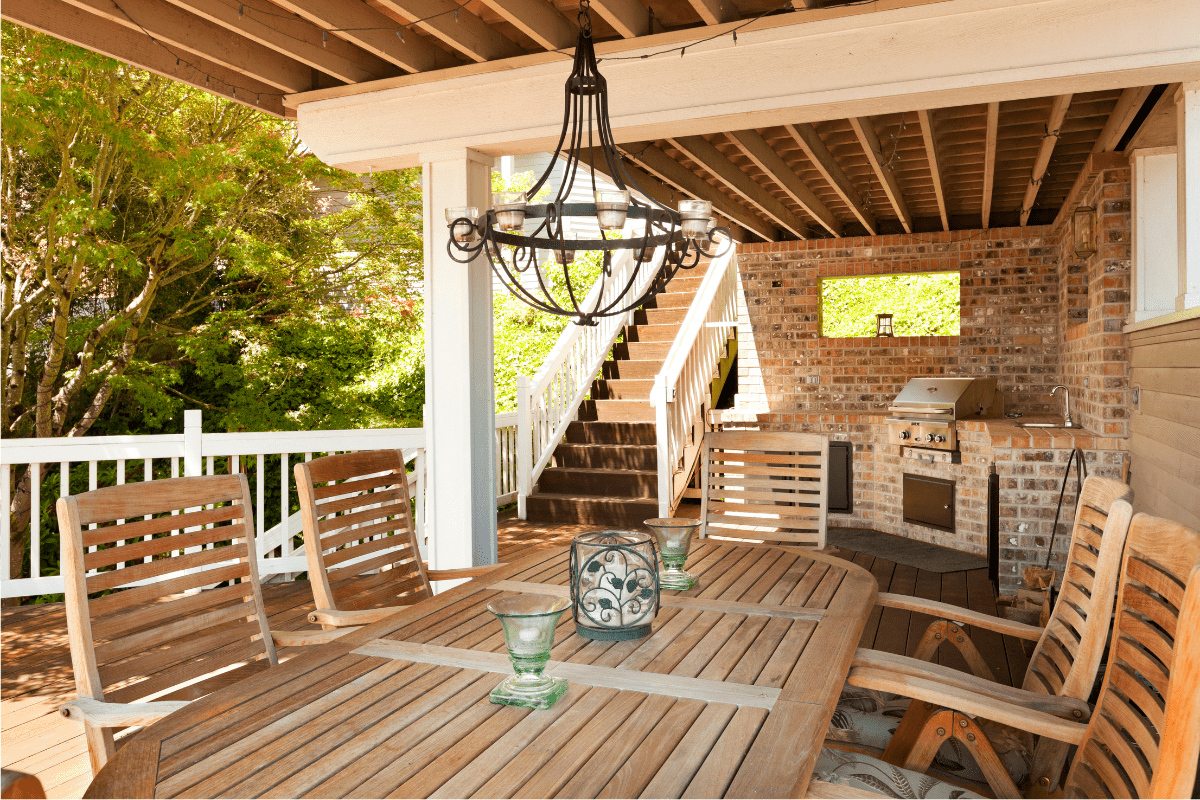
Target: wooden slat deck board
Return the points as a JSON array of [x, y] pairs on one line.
[[37, 673]]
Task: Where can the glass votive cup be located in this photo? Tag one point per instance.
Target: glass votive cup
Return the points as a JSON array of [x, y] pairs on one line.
[[614, 584], [694, 216], [528, 621], [510, 209], [462, 223], [674, 537], [612, 207]]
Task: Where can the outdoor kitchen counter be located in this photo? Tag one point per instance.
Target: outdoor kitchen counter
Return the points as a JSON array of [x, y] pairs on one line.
[[1007, 434]]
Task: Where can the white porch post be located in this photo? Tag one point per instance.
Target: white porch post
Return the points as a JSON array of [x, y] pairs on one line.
[[459, 386], [1187, 116]]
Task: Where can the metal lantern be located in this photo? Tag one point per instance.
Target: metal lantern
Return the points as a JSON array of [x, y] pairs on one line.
[[883, 325], [1083, 228], [614, 584]]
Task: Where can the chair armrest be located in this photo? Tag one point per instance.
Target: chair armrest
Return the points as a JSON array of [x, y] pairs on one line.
[[331, 616], [1068, 708], [962, 616], [303, 638], [16, 785], [968, 702], [465, 572], [100, 714]]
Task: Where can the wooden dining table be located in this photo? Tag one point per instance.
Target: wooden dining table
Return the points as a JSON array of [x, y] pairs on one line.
[[729, 696]]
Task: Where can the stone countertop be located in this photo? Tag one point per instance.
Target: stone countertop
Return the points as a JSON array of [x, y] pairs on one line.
[[1006, 433]]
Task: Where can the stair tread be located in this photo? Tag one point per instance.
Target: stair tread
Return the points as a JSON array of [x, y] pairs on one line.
[[593, 498], [601, 470]]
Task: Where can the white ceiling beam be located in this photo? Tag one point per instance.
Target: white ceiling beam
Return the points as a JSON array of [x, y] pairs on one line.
[[257, 20], [935, 164], [668, 170], [1058, 112], [759, 151], [1127, 107], [810, 142], [786, 69], [456, 27], [989, 160], [99, 35], [864, 129], [539, 20], [371, 30], [716, 163], [630, 18]]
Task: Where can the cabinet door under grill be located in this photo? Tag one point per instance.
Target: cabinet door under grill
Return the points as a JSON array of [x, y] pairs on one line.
[[929, 501]]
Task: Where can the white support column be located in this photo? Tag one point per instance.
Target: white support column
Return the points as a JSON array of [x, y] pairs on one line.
[[1187, 116], [459, 385]]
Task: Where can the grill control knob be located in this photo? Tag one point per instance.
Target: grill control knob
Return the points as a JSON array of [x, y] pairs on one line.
[[903, 434], [939, 438], [930, 437]]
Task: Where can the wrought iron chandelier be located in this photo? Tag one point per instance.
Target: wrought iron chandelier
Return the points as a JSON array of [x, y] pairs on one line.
[[676, 237]]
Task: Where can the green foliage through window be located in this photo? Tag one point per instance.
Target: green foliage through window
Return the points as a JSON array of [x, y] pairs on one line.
[[923, 304]]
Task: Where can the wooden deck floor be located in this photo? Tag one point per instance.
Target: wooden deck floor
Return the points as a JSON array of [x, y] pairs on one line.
[[35, 669]]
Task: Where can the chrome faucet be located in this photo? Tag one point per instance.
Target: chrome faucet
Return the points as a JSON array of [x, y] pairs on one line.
[[1067, 413]]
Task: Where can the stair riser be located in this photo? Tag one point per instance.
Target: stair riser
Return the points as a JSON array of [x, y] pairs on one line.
[[641, 351], [599, 456], [669, 300], [611, 433], [632, 370], [660, 316], [622, 389], [652, 333], [617, 411], [602, 514], [605, 484]]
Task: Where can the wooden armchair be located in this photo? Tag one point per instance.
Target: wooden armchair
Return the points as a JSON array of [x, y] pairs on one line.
[[765, 486], [363, 559], [1061, 672], [1143, 740], [138, 625]]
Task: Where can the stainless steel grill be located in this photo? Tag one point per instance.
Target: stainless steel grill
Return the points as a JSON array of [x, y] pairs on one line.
[[924, 413]]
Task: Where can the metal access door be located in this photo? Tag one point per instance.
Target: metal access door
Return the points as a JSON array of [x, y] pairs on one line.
[[929, 501]]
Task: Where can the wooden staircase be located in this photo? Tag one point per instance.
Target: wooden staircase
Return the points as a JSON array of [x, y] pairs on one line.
[[605, 470]]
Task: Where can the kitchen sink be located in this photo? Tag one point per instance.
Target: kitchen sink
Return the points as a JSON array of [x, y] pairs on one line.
[[1045, 425]]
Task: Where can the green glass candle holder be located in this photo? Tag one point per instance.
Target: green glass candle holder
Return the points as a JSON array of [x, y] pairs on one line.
[[528, 621], [674, 537]]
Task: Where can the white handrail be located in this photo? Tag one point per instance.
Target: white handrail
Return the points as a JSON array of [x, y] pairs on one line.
[[684, 381], [549, 402]]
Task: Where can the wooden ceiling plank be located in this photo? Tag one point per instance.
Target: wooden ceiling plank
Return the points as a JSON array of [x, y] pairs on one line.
[[539, 20], [704, 153], [810, 142], [989, 161], [630, 18], [456, 27], [303, 40], [667, 169], [368, 28], [714, 12], [103, 36], [1058, 112], [935, 165], [1127, 107], [759, 151], [864, 129], [186, 32]]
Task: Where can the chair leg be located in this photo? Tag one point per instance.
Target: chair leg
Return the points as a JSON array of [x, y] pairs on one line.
[[938, 728], [946, 724], [1049, 758], [101, 746], [931, 640], [908, 732], [945, 631]]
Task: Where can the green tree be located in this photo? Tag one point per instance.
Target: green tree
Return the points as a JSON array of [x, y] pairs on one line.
[[922, 304]]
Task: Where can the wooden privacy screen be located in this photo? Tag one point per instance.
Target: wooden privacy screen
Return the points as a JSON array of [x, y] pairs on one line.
[[765, 486], [357, 505]]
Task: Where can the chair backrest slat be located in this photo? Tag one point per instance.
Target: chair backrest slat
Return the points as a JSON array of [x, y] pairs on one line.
[[359, 535], [1143, 739], [1067, 658], [765, 486]]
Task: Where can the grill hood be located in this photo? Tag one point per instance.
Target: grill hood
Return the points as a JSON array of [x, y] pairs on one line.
[[955, 397]]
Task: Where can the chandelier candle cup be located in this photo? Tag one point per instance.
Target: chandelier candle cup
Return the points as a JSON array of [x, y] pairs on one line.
[[462, 223], [510, 210], [674, 537], [611, 209], [529, 621], [614, 584], [694, 216]]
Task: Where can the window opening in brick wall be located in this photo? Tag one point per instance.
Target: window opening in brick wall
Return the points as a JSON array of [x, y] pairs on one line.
[[922, 304]]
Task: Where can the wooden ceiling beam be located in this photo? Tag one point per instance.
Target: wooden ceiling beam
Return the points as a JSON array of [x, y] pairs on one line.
[[935, 164], [864, 129], [303, 40], [456, 27], [1127, 107], [191, 35], [759, 151], [365, 27], [1058, 112], [809, 140], [539, 20], [704, 153], [989, 161], [668, 170], [714, 12], [630, 18], [103, 36]]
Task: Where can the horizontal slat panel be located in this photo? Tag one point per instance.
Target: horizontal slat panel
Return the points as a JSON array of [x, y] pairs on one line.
[[360, 485], [137, 572], [151, 527]]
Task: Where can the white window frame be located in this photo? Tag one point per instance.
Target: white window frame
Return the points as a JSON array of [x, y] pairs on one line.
[[1154, 218]]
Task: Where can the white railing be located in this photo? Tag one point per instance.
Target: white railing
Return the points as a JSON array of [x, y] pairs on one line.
[[685, 380], [549, 402], [267, 458]]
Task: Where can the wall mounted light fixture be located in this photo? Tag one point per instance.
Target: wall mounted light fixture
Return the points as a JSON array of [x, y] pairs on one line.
[[1083, 230]]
